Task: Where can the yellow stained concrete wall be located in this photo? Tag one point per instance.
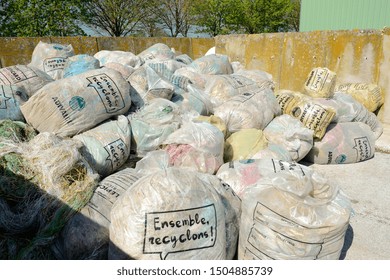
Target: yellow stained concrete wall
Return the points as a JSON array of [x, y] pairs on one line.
[[355, 56], [19, 50]]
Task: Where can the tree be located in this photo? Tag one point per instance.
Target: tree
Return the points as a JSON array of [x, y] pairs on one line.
[[213, 16], [294, 16], [30, 18], [116, 17], [262, 16], [174, 15]]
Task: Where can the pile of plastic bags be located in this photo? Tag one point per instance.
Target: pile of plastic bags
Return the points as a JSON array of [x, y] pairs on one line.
[[161, 156]]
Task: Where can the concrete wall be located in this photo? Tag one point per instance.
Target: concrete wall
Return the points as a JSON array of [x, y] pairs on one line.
[[18, 50], [355, 56]]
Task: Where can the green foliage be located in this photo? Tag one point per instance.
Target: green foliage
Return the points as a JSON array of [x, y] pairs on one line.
[[262, 16], [29, 18], [212, 16]]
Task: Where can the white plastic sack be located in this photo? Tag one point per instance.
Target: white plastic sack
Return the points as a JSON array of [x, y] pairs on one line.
[[214, 64], [165, 68], [152, 124], [78, 64], [107, 146], [28, 77], [291, 212], [148, 84], [11, 97], [171, 214], [72, 105], [86, 235], [291, 134], [194, 99], [157, 51], [196, 145], [252, 109], [348, 142], [125, 70], [122, 57], [51, 58], [185, 76]]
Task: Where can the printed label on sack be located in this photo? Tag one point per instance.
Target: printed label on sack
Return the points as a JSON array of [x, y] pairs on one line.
[[363, 148], [314, 117], [280, 166], [16, 74], [4, 98], [237, 82], [244, 97], [117, 153], [108, 92], [286, 101], [267, 239], [54, 63], [317, 79], [62, 110], [108, 191], [180, 230]]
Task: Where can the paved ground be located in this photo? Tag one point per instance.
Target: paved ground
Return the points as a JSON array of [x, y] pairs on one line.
[[367, 184]]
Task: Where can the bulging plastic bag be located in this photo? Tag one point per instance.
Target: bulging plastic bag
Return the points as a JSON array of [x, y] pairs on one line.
[[185, 76], [122, 57], [11, 97], [107, 146], [252, 109], [194, 99], [78, 103], [213, 64], [348, 142], [148, 84], [348, 109], [86, 235], [288, 210], [28, 77], [312, 114], [370, 95], [244, 144], [171, 214], [51, 58], [152, 124], [196, 145], [157, 51], [320, 82], [291, 134], [78, 64]]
